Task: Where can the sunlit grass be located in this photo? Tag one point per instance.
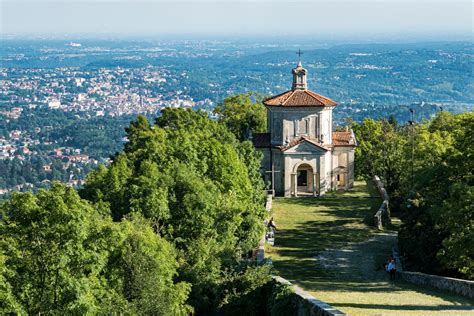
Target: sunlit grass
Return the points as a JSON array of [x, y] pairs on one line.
[[308, 226]]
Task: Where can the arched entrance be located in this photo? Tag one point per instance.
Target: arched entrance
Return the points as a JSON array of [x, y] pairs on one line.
[[305, 181]]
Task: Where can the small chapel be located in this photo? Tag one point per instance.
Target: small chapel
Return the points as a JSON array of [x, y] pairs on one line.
[[302, 154]]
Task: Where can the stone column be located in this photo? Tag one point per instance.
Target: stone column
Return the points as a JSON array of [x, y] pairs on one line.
[[295, 184], [315, 193], [318, 180]]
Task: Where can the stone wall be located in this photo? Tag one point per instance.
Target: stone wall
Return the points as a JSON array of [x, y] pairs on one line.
[[268, 203], [308, 304], [458, 286], [382, 217], [261, 244]]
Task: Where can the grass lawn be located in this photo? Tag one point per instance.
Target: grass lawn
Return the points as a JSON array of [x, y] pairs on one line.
[[326, 247]]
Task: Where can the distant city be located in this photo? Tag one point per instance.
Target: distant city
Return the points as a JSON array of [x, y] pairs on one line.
[[64, 104]]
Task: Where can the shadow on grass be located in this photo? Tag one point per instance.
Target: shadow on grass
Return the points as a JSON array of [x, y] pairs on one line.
[[345, 201], [313, 236], [336, 225]]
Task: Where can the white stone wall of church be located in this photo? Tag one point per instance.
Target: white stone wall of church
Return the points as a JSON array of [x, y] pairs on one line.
[[326, 120], [281, 168], [324, 173], [344, 157], [328, 182], [351, 164], [282, 122], [265, 165]]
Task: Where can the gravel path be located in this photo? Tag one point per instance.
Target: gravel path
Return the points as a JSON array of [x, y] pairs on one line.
[[357, 260]]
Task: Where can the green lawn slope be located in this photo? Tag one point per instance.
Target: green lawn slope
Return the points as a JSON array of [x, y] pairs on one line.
[[328, 247]]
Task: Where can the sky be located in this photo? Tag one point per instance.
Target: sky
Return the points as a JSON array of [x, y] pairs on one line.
[[242, 18]]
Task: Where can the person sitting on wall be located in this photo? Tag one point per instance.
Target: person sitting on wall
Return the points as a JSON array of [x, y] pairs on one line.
[[392, 269], [271, 224]]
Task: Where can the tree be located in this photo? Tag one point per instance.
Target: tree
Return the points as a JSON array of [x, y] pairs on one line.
[[242, 114], [453, 209], [427, 169], [383, 150], [436, 232], [60, 255], [52, 251], [197, 185], [147, 268]]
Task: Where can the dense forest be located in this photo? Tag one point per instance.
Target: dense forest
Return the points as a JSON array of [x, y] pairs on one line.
[[428, 171], [168, 228]]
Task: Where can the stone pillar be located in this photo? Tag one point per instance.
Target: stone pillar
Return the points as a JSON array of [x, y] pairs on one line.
[[315, 192], [295, 184]]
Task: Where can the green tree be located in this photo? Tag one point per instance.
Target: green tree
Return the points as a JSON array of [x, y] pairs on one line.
[[436, 232], [52, 251], [147, 268], [197, 185], [427, 169], [453, 208], [383, 150], [242, 114], [60, 255]]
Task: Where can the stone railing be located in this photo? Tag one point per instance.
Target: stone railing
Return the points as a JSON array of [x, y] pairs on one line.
[[382, 217], [458, 286], [268, 203], [261, 244], [308, 304]]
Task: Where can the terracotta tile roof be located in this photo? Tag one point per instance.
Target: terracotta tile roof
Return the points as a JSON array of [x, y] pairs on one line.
[[295, 98], [300, 140], [261, 140], [343, 139]]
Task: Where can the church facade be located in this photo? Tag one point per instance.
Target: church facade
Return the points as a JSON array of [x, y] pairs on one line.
[[302, 154]]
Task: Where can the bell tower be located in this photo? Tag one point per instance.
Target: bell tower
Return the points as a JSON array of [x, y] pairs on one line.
[[299, 75], [299, 78]]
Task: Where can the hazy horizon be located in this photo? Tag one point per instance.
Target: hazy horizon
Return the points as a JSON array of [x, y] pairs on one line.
[[363, 20]]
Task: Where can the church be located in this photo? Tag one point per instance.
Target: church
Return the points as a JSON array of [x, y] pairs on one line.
[[302, 154]]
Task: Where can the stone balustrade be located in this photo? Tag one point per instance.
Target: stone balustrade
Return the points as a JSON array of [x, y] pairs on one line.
[[308, 304], [458, 286], [382, 217]]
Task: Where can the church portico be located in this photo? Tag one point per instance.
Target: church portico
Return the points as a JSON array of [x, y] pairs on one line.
[[302, 171], [304, 180], [301, 152]]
